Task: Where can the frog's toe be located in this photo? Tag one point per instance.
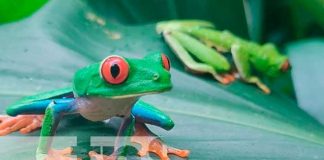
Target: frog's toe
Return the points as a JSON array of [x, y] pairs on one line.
[[178, 152], [231, 77], [10, 124], [5, 131], [64, 154], [157, 147], [23, 123], [3, 118], [151, 143], [97, 156], [37, 123], [228, 78]]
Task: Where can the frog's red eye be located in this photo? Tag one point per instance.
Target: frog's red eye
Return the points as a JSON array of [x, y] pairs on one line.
[[165, 62], [114, 69]]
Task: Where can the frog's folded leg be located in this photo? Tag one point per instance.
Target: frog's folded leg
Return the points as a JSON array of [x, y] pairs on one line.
[[36, 107], [146, 113], [26, 115], [37, 104], [206, 59]]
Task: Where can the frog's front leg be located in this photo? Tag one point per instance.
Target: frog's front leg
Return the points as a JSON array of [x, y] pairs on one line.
[[140, 114], [241, 59], [191, 64], [146, 113], [53, 114]]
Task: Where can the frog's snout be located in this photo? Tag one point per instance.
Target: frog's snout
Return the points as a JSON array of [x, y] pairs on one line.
[[156, 77]]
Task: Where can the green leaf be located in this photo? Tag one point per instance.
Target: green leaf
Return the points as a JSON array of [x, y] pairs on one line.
[[307, 57], [315, 8], [18, 9], [214, 121], [254, 17]]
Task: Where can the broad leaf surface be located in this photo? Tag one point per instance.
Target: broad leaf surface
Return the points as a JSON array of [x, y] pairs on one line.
[[214, 121], [307, 57]]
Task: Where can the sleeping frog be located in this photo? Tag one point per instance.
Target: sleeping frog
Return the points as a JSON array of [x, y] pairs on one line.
[[193, 42]]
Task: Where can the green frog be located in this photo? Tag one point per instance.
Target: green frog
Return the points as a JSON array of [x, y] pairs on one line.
[[100, 91], [199, 46]]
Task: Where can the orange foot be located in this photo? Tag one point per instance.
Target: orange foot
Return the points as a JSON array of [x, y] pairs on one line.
[[60, 154], [151, 143], [22, 123], [97, 156], [228, 78]]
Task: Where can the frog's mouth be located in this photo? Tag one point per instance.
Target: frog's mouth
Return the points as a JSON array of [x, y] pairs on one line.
[[139, 94]]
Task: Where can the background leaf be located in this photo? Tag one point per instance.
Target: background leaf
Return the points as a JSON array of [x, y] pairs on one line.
[[254, 17], [214, 121], [14, 10], [307, 57], [288, 20]]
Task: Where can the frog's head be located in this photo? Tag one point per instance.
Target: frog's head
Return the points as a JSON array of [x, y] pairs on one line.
[[119, 77], [277, 63]]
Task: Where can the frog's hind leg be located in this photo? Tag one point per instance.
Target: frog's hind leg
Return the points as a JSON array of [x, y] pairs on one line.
[[190, 63], [22, 123], [25, 118], [146, 113], [240, 57]]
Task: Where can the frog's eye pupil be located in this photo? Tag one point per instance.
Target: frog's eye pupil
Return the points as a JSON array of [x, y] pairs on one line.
[[114, 69], [166, 62]]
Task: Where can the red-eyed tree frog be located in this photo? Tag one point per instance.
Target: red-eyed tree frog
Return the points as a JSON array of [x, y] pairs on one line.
[[197, 44], [99, 92]]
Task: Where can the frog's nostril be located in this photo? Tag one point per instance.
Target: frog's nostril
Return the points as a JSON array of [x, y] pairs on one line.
[[156, 76]]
